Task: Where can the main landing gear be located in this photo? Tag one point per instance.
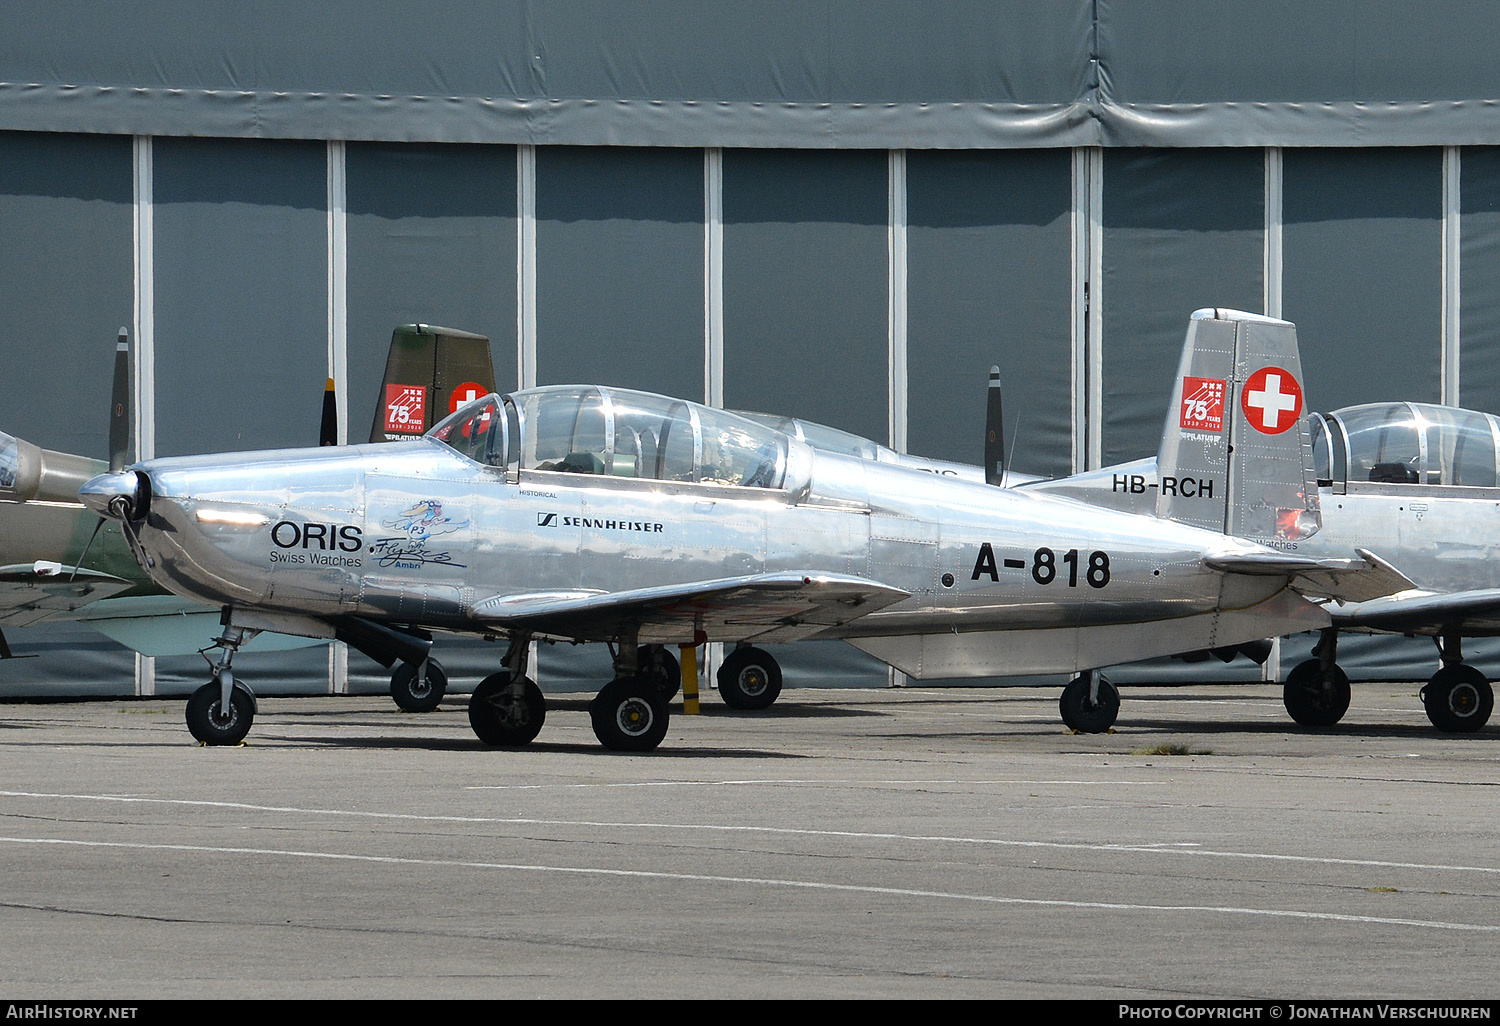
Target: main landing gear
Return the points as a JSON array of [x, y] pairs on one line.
[[749, 678], [221, 711], [1089, 703], [1316, 692], [629, 714], [507, 709], [1458, 698]]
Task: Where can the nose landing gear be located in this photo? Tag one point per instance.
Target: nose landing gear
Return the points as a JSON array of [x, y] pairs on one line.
[[221, 711]]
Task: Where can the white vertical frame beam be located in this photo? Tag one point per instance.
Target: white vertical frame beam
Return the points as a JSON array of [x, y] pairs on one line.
[[1271, 278], [1452, 240], [526, 297], [338, 283], [338, 344], [896, 323], [1271, 274], [526, 266], [1088, 265], [713, 277], [144, 340], [713, 329]]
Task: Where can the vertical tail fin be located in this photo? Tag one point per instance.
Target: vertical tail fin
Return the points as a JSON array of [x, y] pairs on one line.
[[429, 371], [1235, 453]]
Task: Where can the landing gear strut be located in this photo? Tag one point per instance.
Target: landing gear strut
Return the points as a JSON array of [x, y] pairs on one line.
[[1458, 698], [659, 662], [507, 709], [1316, 692], [221, 711], [1089, 703]]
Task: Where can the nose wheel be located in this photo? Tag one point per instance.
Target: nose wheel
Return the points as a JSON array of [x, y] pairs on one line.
[[212, 721], [221, 711]]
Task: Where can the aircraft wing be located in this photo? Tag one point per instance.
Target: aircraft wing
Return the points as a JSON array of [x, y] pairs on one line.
[[33, 592], [1343, 580], [774, 607], [1475, 613]]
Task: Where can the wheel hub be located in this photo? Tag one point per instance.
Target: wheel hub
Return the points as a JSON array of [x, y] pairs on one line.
[[753, 680], [634, 716], [510, 711], [1463, 700]]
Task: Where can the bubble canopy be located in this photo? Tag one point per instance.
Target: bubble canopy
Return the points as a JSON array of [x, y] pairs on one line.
[[591, 429], [1403, 443]]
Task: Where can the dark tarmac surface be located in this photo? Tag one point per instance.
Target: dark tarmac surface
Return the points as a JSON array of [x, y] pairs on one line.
[[902, 843]]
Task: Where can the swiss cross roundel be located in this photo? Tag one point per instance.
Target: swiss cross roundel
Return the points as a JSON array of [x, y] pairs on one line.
[[465, 393], [1272, 400]]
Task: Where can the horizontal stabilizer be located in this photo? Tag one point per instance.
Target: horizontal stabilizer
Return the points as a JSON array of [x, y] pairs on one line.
[[1342, 580], [764, 607]]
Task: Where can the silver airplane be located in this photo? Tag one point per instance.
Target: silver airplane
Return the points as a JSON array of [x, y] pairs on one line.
[[588, 514], [1416, 483]]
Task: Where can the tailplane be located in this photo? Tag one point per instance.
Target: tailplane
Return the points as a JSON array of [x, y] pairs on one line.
[[1236, 454]]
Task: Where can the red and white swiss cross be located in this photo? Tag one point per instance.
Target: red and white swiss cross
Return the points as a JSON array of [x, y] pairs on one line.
[[1272, 400], [465, 393]]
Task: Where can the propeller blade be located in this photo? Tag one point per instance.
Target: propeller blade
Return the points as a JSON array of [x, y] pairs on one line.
[[994, 433], [329, 434], [120, 406]]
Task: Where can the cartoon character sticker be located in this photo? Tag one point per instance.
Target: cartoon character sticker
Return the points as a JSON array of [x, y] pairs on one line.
[[418, 525]]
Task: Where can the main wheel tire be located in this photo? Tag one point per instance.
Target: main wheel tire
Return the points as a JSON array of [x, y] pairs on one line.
[[1458, 699], [208, 722], [629, 715], [663, 667], [419, 693], [502, 719], [749, 678], [1086, 716], [1313, 701]]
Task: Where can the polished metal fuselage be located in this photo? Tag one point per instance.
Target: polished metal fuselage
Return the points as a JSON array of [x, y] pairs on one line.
[[1445, 539], [999, 581]]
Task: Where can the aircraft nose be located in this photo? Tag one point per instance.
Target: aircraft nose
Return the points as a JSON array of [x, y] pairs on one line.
[[121, 495]]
